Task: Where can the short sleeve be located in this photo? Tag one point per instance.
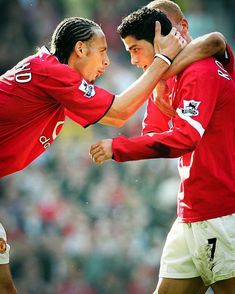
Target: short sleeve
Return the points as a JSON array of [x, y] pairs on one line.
[[84, 102]]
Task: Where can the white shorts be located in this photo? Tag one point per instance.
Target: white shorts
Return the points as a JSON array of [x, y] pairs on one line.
[[4, 247], [205, 249]]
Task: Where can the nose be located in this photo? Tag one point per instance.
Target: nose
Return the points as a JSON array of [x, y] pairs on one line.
[[134, 60], [106, 60]]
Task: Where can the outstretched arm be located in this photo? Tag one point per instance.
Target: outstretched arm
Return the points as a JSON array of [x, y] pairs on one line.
[[130, 100]]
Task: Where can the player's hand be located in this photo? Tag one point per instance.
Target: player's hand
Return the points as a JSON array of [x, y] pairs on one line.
[[162, 100], [161, 91], [169, 45], [101, 151]]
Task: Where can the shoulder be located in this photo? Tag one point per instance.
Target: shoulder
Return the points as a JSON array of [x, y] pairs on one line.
[[201, 69], [44, 63], [43, 58], [204, 74], [202, 65]]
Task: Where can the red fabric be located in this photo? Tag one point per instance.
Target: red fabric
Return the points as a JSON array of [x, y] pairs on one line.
[[228, 61], [202, 134], [35, 97]]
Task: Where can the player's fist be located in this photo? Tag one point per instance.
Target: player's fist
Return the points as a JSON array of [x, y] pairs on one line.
[[101, 151]]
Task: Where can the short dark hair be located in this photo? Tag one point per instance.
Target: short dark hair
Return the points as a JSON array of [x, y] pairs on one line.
[[141, 24], [68, 33]]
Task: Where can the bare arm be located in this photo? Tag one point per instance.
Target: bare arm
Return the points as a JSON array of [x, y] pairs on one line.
[[130, 100], [212, 44]]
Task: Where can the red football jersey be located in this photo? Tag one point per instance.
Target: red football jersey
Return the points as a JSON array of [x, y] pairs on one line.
[[228, 61], [35, 97], [155, 121], [202, 135]]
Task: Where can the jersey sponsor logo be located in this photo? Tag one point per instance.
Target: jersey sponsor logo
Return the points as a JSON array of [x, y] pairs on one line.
[[45, 141], [88, 89], [190, 108], [56, 130]]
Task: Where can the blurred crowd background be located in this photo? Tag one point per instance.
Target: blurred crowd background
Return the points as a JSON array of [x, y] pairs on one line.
[[74, 227]]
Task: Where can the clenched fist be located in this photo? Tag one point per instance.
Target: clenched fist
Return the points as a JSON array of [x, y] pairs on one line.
[[101, 151]]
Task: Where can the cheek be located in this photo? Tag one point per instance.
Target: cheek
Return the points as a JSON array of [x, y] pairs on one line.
[[91, 63], [96, 60], [150, 56], [147, 59]]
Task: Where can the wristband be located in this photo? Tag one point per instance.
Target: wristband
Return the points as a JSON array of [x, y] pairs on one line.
[[163, 57]]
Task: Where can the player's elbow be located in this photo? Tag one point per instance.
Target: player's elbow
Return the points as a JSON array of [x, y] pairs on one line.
[[112, 121], [124, 115], [118, 123], [119, 117], [219, 41], [187, 141], [216, 44]]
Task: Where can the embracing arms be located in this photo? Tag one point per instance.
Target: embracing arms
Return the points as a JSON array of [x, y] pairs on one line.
[[212, 44], [131, 99]]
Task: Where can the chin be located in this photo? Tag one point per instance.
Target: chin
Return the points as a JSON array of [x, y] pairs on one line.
[[90, 81]]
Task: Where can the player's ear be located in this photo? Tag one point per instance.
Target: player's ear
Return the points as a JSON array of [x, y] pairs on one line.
[[79, 48], [184, 25]]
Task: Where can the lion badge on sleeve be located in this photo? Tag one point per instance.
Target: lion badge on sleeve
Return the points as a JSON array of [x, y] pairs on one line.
[[3, 246]]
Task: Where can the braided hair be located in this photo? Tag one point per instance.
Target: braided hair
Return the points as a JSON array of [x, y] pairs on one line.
[[68, 33]]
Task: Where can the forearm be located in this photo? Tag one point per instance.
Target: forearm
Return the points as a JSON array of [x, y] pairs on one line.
[[154, 145], [125, 149], [143, 147], [208, 45], [131, 99]]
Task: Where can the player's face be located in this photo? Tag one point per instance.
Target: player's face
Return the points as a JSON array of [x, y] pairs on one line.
[[141, 51], [95, 59]]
